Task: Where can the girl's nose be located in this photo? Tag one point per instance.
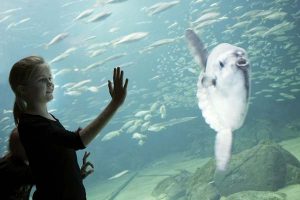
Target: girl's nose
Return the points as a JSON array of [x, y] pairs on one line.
[[50, 83]]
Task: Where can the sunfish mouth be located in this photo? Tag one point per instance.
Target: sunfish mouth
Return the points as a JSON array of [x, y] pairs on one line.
[[242, 63]]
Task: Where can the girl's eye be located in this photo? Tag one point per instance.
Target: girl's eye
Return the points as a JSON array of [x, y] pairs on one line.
[[43, 80]]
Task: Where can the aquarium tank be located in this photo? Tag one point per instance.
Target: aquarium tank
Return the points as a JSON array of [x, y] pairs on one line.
[[197, 123]]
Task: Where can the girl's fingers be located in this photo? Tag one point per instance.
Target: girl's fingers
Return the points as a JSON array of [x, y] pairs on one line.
[[121, 77], [126, 83], [110, 88], [115, 74]]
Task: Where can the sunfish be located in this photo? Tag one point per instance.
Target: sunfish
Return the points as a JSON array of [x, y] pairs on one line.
[[223, 91]]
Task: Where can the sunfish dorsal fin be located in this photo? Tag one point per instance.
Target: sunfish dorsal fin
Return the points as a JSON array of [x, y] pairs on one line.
[[196, 47]]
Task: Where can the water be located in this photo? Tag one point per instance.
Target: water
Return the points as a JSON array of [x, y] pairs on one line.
[[164, 75]]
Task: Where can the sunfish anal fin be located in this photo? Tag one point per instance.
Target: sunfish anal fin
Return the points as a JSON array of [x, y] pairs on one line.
[[223, 148]]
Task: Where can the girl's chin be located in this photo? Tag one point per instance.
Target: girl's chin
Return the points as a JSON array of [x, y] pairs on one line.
[[49, 97]]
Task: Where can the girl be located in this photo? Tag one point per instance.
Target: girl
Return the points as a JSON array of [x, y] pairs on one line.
[[16, 178], [49, 146]]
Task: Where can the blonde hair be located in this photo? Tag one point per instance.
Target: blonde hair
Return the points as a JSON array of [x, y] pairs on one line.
[[20, 74]]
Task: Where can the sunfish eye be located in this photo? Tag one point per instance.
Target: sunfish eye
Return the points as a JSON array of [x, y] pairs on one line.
[[239, 53], [221, 64]]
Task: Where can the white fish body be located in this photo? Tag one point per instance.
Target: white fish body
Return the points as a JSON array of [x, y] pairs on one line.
[[223, 91], [119, 174], [111, 135], [163, 111], [99, 17], [130, 38], [138, 136], [142, 113], [57, 39], [160, 7], [84, 14], [63, 55]]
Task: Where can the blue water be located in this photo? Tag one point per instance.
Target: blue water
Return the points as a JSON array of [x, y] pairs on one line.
[[162, 75]]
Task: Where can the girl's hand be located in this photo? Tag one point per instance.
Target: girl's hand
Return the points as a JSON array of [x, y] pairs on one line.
[[84, 171], [118, 90]]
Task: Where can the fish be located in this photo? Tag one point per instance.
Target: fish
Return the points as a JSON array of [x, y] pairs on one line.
[[84, 14], [130, 38], [119, 175], [4, 18], [4, 119], [57, 39], [63, 55], [223, 91], [142, 113], [97, 52], [11, 10], [79, 84], [115, 1], [160, 7], [162, 111], [111, 135], [100, 17], [158, 43], [138, 136]]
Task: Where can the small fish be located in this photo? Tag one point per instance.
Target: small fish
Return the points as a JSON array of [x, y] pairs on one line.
[[84, 14], [142, 113], [138, 136], [160, 7], [57, 39], [145, 126], [295, 90], [79, 84], [130, 38], [7, 111], [111, 135], [100, 17], [141, 142], [114, 29], [156, 127], [63, 55], [4, 119], [119, 175], [115, 1], [162, 111], [158, 44], [72, 93], [96, 52], [128, 124], [147, 117]]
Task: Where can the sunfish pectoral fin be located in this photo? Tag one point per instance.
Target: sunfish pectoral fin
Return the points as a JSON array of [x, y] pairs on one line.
[[208, 81], [223, 148], [196, 47]]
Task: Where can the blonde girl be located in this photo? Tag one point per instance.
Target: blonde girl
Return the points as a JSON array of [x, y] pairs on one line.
[[50, 148]]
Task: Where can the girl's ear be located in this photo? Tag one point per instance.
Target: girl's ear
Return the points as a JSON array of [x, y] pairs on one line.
[[21, 90]]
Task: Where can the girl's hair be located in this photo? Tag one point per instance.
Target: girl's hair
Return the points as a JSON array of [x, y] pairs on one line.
[[20, 74], [13, 141]]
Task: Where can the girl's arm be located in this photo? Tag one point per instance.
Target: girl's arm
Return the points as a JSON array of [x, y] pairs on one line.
[[118, 94]]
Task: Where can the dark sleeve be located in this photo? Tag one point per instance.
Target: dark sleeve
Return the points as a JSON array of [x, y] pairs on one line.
[[45, 132], [67, 138]]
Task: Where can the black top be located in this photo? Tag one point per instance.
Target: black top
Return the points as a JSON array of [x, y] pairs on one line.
[[51, 153], [15, 179]]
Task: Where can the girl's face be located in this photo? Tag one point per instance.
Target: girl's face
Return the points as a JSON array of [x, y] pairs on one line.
[[40, 87]]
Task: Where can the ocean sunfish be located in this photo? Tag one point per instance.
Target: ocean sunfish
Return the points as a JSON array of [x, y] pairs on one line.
[[223, 91]]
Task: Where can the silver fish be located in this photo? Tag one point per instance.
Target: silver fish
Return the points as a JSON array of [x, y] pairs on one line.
[[57, 39], [223, 91]]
